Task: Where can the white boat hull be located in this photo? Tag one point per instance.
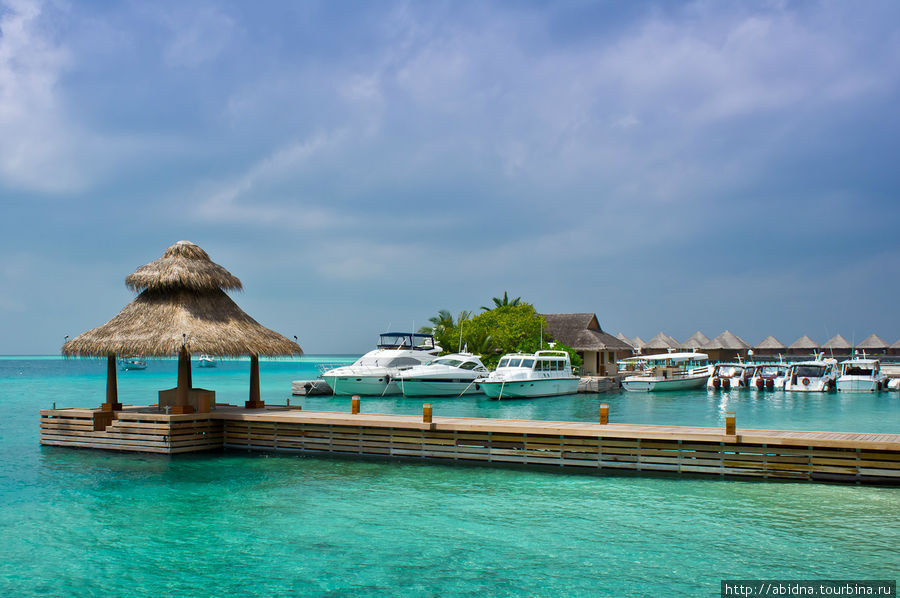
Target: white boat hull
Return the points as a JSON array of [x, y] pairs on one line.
[[521, 389], [437, 388], [376, 385], [857, 384], [654, 384], [814, 385]]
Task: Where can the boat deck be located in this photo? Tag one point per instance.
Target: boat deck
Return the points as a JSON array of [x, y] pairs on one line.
[[822, 456]]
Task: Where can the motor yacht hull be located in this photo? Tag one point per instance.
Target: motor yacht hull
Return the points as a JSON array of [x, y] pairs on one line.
[[364, 385], [424, 387], [858, 384], [655, 384], [521, 389]]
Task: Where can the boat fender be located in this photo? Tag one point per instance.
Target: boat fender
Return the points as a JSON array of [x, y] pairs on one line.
[[805, 381], [878, 385], [760, 384], [387, 378]]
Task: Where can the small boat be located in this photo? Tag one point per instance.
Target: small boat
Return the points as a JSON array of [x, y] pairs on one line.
[[730, 376], [131, 363], [375, 372], [206, 361], [448, 375], [816, 375], [860, 374], [666, 371], [892, 384], [528, 375], [769, 376]]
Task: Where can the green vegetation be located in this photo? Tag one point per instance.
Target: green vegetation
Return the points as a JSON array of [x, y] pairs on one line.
[[510, 326]]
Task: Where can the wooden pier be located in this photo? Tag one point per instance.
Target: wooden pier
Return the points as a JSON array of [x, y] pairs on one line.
[[583, 446]]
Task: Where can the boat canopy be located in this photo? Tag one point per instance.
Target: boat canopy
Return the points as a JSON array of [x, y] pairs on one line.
[[406, 340], [666, 357]]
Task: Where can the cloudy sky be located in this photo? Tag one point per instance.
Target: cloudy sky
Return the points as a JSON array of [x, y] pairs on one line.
[[359, 165]]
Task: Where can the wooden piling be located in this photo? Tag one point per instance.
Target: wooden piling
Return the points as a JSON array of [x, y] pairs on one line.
[[604, 413], [354, 404], [426, 413], [730, 424]]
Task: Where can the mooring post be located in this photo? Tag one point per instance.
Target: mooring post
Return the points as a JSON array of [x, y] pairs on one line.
[[426, 413], [729, 424], [604, 413], [354, 404]]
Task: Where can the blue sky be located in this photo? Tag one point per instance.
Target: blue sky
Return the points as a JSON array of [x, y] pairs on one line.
[[360, 165]]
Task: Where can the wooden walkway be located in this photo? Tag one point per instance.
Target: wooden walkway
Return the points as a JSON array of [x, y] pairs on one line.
[[828, 456]]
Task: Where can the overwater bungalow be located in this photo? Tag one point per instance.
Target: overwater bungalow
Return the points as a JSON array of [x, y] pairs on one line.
[[770, 347], [803, 346], [895, 348], [837, 346], [621, 336], [726, 347], [661, 343], [599, 350], [638, 343], [873, 345], [696, 342]]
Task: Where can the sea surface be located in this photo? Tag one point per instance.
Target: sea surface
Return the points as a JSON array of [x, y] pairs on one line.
[[94, 523]]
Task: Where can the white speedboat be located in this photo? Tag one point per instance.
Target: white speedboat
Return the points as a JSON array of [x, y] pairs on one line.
[[526, 375], [375, 372], [860, 374], [730, 376], [816, 375], [666, 371], [769, 376], [448, 375], [892, 384], [206, 361], [131, 363]]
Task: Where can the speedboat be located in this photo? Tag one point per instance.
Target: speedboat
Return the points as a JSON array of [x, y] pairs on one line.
[[666, 371], [375, 372], [448, 375], [131, 362], [526, 375], [769, 376], [730, 376], [860, 374], [816, 375], [892, 384], [206, 361]]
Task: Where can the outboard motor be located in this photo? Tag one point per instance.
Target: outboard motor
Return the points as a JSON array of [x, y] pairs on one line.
[[760, 383], [770, 384], [726, 384], [717, 382]]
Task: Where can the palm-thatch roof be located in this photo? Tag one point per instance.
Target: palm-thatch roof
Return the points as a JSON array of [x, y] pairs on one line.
[[896, 345], [582, 332], [727, 340], [837, 342], [697, 340], [181, 303], [804, 343], [621, 336], [638, 343], [661, 341], [770, 343], [873, 341]]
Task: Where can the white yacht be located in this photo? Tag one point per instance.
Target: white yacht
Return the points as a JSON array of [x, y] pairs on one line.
[[130, 362], [375, 372], [816, 375], [860, 374], [525, 375], [730, 376], [206, 361], [666, 371], [769, 376], [892, 384], [448, 375]]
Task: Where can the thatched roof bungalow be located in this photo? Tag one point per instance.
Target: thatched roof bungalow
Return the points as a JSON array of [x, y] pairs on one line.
[[582, 332], [803, 346], [873, 345], [895, 348], [837, 345], [621, 336], [182, 308], [725, 347], [638, 343], [770, 346], [695, 342], [661, 343]]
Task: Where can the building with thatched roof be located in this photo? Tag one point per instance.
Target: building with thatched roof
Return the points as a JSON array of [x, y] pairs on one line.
[[803, 346], [837, 345], [770, 346], [661, 343], [181, 308], [582, 332], [727, 346], [621, 336], [895, 348], [873, 345], [695, 342], [638, 343]]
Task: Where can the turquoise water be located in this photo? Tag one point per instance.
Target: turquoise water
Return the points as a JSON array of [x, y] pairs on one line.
[[89, 523]]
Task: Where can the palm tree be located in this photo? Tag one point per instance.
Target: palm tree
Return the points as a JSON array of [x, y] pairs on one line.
[[498, 302]]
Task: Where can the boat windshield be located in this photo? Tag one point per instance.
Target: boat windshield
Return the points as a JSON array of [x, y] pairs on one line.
[[512, 363], [855, 370], [469, 365], [527, 363], [770, 371], [447, 361], [810, 371], [728, 370]]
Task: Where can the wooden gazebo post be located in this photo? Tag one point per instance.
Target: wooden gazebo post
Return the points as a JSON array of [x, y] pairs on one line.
[[183, 391], [112, 390], [254, 402]]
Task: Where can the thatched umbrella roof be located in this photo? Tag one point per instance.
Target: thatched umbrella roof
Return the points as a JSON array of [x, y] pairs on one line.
[[181, 303]]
